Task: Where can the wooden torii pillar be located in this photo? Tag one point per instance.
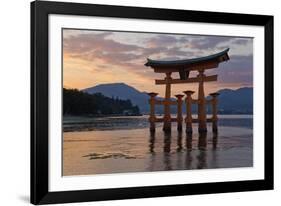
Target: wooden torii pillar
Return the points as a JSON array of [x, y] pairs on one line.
[[202, 126], [184, 67], [167, 111]]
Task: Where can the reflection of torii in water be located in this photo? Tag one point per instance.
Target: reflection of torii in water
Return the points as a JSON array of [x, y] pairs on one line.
[[184, 67]]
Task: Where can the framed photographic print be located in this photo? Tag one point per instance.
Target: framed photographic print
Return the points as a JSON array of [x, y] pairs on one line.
[[131, 102]]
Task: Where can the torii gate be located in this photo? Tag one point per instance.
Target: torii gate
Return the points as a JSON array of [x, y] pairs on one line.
[[184, 67]]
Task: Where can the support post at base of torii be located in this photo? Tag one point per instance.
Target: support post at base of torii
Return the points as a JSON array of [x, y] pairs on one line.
[[188, 118], [152, 117], [179, 113], [214, 102]]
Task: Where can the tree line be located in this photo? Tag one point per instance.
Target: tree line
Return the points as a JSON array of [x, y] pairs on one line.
[[76, 102]]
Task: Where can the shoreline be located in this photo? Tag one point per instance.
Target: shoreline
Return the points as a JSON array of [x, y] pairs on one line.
[[78, 123]]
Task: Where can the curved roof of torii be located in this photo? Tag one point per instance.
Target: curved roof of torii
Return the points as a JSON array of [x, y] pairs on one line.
[[219, 57]]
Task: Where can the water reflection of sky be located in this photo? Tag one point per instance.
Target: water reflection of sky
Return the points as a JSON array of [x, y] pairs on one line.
[[103, 152]]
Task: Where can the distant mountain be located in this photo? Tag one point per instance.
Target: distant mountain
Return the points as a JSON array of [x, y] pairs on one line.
[[122, 91], [238, 101]]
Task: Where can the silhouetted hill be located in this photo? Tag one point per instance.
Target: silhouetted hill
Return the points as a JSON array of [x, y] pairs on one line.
[[122, 91], [238, 101]]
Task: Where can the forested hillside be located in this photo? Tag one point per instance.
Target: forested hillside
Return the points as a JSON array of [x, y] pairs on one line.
[[76, 102]]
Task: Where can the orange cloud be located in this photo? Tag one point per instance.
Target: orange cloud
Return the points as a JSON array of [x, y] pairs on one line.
[[95, 57]]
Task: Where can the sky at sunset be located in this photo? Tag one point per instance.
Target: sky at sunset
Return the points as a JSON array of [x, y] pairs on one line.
[[100, 57]]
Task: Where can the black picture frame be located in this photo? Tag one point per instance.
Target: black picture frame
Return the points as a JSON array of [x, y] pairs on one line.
[[39, 102]]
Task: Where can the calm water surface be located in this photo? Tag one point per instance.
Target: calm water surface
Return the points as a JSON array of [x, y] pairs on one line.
[[107, 145]]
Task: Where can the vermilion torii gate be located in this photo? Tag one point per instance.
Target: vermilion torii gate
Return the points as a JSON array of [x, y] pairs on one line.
[[184, 67]]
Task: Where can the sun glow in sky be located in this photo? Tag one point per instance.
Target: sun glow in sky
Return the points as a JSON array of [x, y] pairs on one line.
[[94, 57]]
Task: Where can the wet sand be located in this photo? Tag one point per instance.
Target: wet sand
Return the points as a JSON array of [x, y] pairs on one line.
[[137, 150]]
